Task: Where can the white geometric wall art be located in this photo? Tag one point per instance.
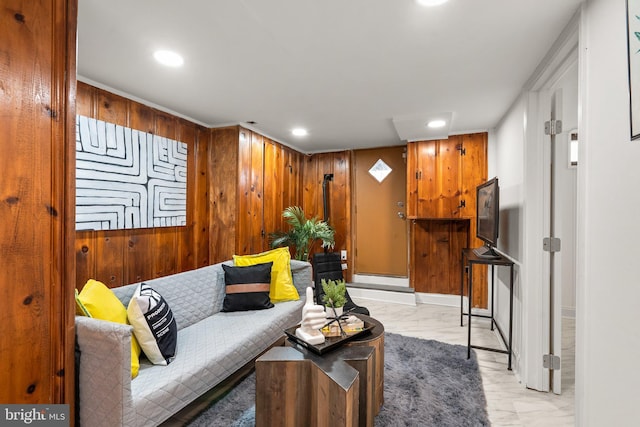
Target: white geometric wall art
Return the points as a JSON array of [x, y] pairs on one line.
[[127, 178]]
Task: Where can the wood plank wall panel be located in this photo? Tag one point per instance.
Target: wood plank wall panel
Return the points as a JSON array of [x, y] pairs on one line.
[[340, 200], [340, 215], [119, 257], [312, 192], [473, 173], [109, 248], [243, 236], [37, 91], [185, 236], [437, 257], [224, 191], [138, 256], [275, 171], [412, 183], [200, 219], [255, 224]]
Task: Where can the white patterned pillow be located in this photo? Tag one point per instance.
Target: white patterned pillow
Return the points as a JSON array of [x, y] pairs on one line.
[[153, 325]]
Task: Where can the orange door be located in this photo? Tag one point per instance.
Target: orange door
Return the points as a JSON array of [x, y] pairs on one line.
[[381, 228]]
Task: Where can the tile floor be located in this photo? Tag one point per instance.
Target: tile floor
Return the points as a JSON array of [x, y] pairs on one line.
[[509, 403]]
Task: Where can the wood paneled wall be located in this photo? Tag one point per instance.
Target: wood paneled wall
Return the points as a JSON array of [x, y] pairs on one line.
[[253, 179], [119, 257], [37, 172], [340, 215], [238, 184]]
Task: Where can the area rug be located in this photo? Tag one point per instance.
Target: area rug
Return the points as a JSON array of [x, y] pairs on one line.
[[426, 383]]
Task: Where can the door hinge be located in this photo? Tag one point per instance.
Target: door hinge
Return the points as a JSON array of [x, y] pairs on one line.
[[461, 149], [463, 204], [262, 233], [551, 361], [551, 244], [553, 127], [419, 175]]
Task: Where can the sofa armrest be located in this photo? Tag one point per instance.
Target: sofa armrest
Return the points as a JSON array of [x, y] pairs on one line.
[[302, 276], [104, 373]]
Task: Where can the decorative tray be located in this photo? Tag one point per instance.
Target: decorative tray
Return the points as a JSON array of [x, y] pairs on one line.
[[330, 343]]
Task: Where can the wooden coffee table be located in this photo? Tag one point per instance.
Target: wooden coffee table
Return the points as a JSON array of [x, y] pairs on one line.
[[374, 339], [343, 387]]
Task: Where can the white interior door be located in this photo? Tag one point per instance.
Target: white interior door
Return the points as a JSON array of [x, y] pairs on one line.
[[560, 221]]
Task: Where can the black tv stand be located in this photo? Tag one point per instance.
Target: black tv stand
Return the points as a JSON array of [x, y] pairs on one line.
[[486, 252], [469, 259]]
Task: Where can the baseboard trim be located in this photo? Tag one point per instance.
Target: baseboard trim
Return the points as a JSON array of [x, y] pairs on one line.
[[406, 298], [380, 280], [438, 299], [447, 300]]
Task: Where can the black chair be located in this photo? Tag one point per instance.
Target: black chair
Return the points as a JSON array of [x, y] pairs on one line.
[[328, 266]]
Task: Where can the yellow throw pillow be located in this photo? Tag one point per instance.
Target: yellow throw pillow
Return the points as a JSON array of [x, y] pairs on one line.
[[99, 302], [281, 288]]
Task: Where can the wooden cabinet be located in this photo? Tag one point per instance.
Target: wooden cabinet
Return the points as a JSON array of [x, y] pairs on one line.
[[252, 180], [442, 176]]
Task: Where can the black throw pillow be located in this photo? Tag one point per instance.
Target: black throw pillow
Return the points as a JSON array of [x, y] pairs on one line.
[[247, 288]]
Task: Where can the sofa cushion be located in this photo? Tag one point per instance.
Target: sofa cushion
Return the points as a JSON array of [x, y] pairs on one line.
[[282, 288], [153, 325], [247, 288], [101, 303], [209, 352], [192, 295]]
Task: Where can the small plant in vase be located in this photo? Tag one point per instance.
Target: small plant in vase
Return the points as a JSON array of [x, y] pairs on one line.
[[334, 295]]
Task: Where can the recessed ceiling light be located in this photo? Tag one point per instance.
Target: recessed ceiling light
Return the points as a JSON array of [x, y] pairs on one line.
[[431, 2], [299, 132], [436, 124], [168, 58]]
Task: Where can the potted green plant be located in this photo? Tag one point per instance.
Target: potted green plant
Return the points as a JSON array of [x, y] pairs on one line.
[[303, 233], [334, 295]]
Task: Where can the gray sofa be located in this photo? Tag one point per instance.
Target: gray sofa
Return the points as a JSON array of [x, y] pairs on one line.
[[211, 346]]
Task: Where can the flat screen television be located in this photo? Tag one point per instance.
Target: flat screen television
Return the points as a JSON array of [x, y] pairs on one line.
[[487, 217]]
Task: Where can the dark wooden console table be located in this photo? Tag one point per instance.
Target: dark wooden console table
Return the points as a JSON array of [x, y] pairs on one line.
[[469, 258]]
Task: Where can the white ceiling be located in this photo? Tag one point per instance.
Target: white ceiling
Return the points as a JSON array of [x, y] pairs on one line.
[[343, 69]]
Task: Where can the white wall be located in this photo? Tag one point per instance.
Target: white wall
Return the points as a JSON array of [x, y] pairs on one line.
[[608, 294], [506, 161]]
